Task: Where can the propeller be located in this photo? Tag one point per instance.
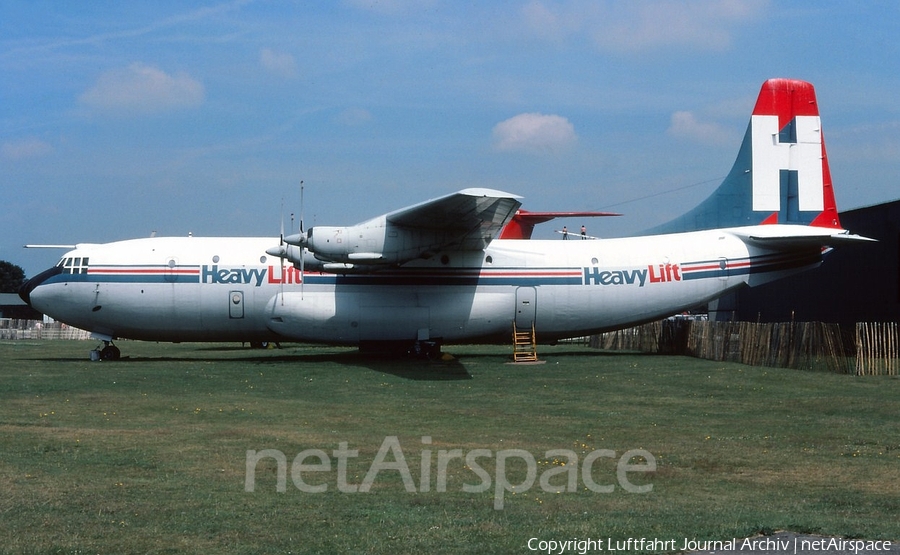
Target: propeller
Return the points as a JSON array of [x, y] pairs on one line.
[[298, 239], [286, 244]]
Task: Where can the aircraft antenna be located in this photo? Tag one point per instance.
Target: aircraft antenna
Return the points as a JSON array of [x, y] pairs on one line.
[[281, 236], [302, 248], [301, 206]]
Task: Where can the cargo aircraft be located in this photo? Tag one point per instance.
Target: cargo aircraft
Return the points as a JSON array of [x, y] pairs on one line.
[[456, 268]]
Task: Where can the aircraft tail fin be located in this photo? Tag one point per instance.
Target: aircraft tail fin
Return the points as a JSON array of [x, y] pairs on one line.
[[781, 173]]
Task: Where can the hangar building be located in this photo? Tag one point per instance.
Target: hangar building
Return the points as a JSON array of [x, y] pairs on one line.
[[857, 283]]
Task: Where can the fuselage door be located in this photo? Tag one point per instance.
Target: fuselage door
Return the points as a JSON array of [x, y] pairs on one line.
[[235, 304], [526, 307]]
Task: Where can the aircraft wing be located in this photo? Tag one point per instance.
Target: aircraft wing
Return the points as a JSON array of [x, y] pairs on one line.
[[465, 220], [470, 218]]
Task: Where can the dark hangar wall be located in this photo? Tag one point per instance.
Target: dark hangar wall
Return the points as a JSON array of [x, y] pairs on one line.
[[858, 283]]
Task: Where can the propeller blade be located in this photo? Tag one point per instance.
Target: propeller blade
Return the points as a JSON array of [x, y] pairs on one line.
[[282, 249]]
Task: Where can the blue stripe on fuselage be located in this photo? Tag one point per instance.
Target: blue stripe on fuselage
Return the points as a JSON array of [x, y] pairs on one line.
[[460, 277]]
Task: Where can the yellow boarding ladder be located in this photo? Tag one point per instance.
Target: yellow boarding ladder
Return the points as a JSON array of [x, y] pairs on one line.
[[524, 345]]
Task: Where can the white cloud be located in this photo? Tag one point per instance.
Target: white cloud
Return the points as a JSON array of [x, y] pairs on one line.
[[25, 148], [648, 25], [534, 132], [685, 124], [279, 63], [544, 22], [354, 116], [141, 88], [391, 7]]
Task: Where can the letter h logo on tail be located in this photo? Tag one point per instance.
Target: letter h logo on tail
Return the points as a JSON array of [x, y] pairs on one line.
[[789, 167]]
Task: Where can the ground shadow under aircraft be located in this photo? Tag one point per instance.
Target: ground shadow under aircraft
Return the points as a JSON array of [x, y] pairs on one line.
[[452, 369], [402, 367]]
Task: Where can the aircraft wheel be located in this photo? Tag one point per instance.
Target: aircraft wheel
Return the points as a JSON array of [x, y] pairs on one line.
[[110, 352], [428, 350], [433, 352]]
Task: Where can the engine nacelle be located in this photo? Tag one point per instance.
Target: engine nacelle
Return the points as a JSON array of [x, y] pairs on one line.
[[359, 244], [376, 242]]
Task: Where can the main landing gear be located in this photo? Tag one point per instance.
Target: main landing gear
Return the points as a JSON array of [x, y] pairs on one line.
[[425, 349], [107, 352]]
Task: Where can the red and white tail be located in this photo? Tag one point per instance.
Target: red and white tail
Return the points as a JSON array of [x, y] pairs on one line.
[[781, 172], [790, 166]]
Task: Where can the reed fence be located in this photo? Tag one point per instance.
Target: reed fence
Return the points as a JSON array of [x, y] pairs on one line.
[[877, 349], [863, 349]]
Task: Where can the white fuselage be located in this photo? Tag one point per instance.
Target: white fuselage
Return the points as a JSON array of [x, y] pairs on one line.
[[227, 289]]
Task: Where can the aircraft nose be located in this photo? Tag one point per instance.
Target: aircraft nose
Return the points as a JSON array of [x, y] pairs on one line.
[[33, 283]]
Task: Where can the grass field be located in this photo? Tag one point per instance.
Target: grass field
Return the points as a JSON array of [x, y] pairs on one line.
[[149, 454]]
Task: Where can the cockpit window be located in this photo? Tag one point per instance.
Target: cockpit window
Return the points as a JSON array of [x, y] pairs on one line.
[[74, 265]]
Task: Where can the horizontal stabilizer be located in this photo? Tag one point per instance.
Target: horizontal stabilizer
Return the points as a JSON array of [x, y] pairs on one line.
[[522, 224], [785, 237]]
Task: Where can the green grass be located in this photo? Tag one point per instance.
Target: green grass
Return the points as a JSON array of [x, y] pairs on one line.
[[148, 454]]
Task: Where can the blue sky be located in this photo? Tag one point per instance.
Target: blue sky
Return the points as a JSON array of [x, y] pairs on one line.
[[118, 119]]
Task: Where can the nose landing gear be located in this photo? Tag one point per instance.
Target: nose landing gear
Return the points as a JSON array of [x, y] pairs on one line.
[[107, 352]]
